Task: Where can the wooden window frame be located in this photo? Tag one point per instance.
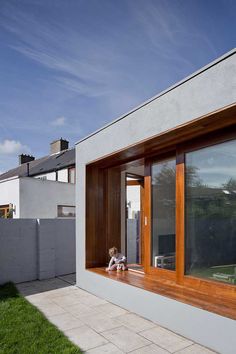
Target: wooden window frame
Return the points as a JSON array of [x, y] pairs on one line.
[[138, 181], [6, 208], [179, 276]]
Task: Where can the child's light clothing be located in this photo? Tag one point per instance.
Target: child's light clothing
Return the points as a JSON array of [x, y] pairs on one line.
[[115, 260]]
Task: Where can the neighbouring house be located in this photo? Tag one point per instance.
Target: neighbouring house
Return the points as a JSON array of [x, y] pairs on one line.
[[40, 188], [169, 164]]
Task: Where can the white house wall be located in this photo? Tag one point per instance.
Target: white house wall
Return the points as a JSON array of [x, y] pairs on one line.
[[9, 193], [211, 90], [40, 198]]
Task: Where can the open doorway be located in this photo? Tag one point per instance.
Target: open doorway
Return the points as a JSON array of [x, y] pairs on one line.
[[134, 221]]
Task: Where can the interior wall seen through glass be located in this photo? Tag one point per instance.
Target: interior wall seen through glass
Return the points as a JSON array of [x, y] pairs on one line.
[[133, 230]]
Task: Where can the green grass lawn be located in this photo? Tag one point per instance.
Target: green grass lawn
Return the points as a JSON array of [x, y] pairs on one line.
[[25, 330]]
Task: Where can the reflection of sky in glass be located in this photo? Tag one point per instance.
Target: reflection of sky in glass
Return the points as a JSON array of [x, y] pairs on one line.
[[215, 165]]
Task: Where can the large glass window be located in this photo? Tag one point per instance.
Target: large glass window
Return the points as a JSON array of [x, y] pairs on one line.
[[163, 214], [210, 194]]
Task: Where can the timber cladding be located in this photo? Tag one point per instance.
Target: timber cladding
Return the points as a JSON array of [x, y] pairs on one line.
[[103, 215]]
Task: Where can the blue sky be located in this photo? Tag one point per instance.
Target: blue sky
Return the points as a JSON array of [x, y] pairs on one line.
[[69, 67]]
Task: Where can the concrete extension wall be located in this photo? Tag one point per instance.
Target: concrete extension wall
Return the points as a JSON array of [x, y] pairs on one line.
[[36, 249], [213, 88]]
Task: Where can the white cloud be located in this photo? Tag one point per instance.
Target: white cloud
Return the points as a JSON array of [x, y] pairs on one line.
[[59, 122], [10, 147]]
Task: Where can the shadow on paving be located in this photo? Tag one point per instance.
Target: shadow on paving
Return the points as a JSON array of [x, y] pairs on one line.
[[40, 286]]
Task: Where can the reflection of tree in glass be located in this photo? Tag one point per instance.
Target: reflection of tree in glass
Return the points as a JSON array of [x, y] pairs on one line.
[[164, 190], [204, 200]]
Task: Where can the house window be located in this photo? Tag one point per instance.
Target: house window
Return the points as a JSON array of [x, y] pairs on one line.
[[210, 209], [71, 175], [5, 212], [64, 211], [163, 214]]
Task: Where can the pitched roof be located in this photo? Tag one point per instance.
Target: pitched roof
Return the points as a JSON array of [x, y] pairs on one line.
[[43, 165]]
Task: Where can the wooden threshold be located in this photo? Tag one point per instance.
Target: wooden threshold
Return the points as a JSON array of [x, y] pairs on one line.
[[217, 304]]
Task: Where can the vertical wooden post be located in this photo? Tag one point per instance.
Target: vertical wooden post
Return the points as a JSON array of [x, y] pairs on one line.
[[180, 191], [147, 218]]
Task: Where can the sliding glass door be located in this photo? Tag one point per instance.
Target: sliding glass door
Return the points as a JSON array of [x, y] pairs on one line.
[[210, 213], [163, 181]]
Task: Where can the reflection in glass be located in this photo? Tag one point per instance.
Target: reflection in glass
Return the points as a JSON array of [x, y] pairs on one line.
[[210, 250], [64, 211], [163, 214]]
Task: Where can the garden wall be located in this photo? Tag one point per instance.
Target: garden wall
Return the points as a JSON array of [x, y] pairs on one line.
[[36, 249]]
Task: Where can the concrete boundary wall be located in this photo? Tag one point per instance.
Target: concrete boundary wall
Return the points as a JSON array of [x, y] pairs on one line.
[[33, 249]]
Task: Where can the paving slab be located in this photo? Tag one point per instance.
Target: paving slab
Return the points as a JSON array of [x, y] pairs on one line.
[[79, 310], [92, 300], [110, 310], [135, 322], [65, 321], [50, 309], [195, 349], [166, 339], [100, 322], [150, 349], [125, 339], [66, 300], [105, 349], [85, 337]]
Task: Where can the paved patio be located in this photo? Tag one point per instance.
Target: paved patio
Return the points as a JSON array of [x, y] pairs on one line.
[[97, 326]]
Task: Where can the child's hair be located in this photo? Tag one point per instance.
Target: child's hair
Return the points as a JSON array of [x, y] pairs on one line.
[[113, 251]]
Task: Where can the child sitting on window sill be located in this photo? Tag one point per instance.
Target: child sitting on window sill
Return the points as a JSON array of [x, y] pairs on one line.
[[117, 262]]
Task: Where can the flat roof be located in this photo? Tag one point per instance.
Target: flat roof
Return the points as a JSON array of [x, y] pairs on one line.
[[164, 92]]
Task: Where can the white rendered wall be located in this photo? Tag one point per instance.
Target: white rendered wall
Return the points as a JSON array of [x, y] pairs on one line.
[[9, 193], [40, 198], [212, 89]]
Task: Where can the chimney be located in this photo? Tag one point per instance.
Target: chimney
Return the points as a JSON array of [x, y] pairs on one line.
[[58, 146], [23, 158]]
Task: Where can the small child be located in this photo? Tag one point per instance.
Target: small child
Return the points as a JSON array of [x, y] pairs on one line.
[[117, 261]]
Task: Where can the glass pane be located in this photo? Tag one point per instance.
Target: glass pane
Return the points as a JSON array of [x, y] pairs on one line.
[[211, 212], [65, 211], [163, 214], [133, 224]]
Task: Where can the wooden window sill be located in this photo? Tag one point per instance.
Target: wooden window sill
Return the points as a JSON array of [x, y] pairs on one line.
[[213, 303]]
